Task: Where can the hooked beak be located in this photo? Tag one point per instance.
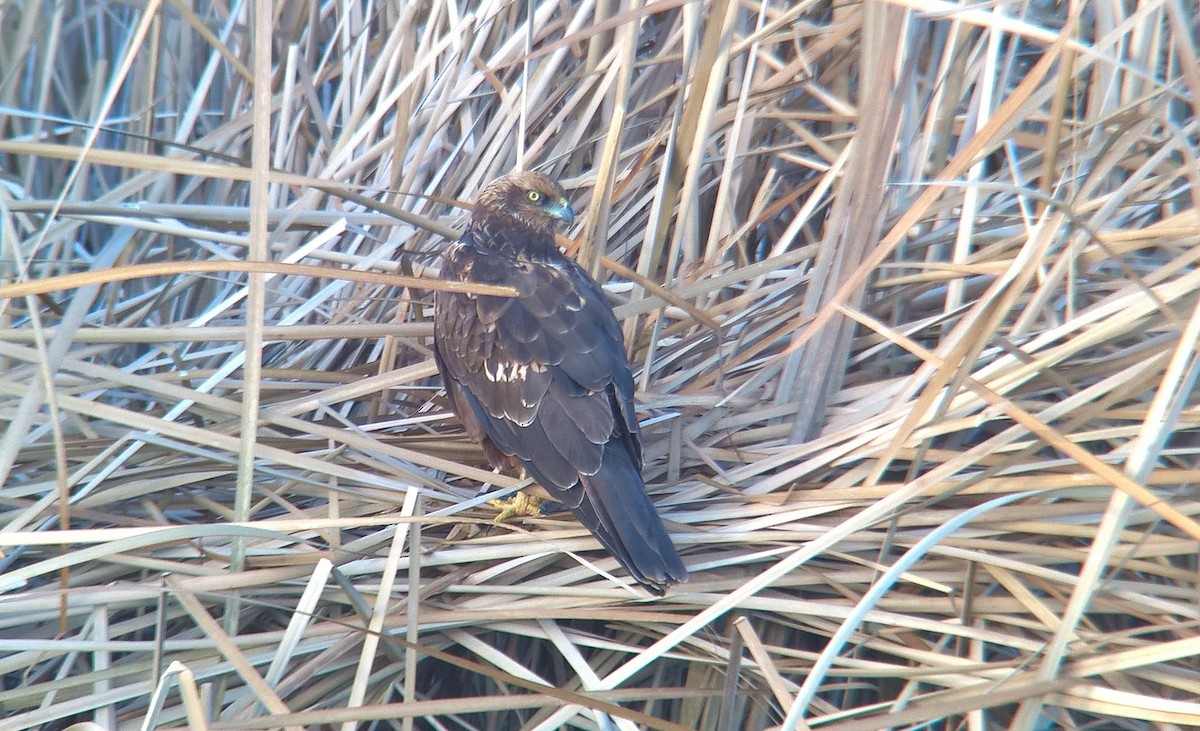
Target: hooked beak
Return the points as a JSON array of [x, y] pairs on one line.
[[561, 210]]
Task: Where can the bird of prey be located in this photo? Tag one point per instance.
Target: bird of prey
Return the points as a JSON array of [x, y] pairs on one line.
[[541, 380]]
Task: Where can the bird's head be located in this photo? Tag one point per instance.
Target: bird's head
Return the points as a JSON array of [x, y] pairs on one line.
[[527, 199]]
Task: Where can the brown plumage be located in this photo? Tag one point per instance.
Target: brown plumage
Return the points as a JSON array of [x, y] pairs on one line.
[[541, 379]]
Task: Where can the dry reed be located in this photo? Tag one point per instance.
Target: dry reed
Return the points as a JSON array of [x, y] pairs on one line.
[[910, 287]]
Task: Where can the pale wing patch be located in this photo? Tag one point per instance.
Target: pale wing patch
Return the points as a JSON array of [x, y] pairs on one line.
[[509, 371]]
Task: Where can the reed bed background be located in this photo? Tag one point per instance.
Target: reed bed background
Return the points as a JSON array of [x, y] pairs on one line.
[[910, 288]]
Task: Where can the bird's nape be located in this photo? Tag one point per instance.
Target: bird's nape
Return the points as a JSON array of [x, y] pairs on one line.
[[525, 199]]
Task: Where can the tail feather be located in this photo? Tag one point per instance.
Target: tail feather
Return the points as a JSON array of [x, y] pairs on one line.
[[616, 508]]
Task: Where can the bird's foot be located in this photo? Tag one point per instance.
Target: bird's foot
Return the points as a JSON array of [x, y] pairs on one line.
[[518, 506]]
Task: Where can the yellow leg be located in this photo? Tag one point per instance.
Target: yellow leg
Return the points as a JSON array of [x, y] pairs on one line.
[[518, 506]]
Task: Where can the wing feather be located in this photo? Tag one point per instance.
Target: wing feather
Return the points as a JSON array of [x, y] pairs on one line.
[[573, 421], [543, 373], [542, 378]]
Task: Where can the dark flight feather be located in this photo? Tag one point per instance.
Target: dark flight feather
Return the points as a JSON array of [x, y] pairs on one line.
[[541, 379]]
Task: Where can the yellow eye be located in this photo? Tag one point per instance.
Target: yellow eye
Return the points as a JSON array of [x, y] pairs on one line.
[[534, 196]]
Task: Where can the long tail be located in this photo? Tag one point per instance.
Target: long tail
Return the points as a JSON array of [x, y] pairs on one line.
[[616, 508]]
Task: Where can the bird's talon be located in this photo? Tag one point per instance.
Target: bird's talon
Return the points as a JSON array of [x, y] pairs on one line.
[[518, 506]]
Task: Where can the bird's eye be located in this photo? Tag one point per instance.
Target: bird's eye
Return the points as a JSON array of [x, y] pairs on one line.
[[534, 196]]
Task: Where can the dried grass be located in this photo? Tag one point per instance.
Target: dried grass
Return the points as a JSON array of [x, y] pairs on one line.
[[911, 289]]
